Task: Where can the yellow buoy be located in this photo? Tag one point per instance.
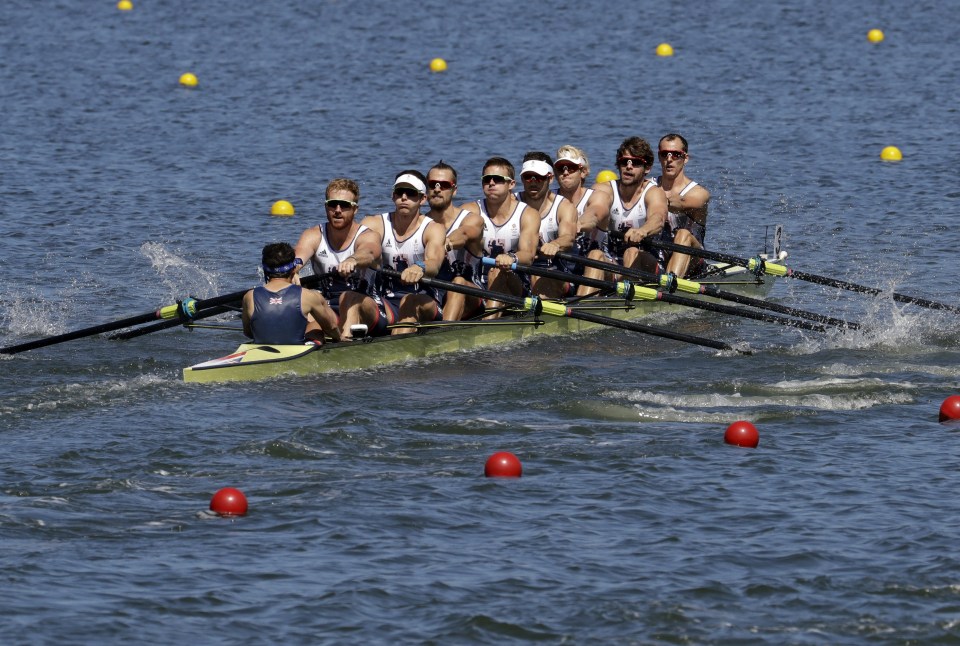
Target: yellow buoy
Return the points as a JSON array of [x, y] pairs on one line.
[[282, 208], [875, 35], [891, 153], [124, 5], [606, 176], [438, 65], [664, 49], [188, 79]]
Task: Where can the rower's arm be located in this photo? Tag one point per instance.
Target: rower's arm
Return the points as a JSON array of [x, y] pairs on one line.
[[656, 204], [566, 231], [366, 253], [529, 236], [307, 245], [433, 251], [597, 210], [247, 313], [695, 204], [468, 235]]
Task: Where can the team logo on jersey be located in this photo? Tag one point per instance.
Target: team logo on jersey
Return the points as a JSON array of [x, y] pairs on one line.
[[276, 301]]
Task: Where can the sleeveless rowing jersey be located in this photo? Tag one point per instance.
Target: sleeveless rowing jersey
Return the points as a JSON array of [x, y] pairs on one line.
[[326, 259], [458, 262], [399, 255], [501, 238], [277, 317], [677, 220], [622, 218], [582, 204]]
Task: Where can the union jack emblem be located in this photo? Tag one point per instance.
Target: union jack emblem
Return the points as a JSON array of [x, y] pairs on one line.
[[277, 301]]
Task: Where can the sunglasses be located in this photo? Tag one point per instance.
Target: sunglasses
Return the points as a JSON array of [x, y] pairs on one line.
[[672, 154], [636, 161], [533, 177], [409, 193], [343, 204], [567, 168], [496, 179], [440, 184]]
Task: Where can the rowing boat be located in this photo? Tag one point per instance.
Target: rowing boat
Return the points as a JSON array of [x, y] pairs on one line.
[[254, 361]]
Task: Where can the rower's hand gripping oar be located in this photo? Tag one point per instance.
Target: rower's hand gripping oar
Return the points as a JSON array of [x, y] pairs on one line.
[[182, 311], [672, 283], [760, 266], [537, 307], [630, 292]]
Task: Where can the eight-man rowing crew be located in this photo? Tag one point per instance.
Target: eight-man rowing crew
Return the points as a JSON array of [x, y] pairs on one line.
[[476, 244]]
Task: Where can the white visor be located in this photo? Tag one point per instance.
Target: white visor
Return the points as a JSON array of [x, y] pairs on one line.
[[537, 167], [573, 160], [412, 181]]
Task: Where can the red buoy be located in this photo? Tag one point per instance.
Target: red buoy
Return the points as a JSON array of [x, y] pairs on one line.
[[502, 465], [950, 408], [229, 502], [742, 434]]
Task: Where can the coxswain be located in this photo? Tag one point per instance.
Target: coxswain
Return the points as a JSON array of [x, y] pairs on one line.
[[276, 312]]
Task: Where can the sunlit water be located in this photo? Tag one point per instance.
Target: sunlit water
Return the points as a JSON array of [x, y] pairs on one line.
[[370, 520]]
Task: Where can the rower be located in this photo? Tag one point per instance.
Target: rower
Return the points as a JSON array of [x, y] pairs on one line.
[[633, 207], [410, 243], [276, 312], [687, 204], [461, 264], [571, 170], [509, 231], [340, 244], [558, 222]]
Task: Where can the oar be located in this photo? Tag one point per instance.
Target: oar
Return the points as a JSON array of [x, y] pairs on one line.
[[183, 310], [629, 291], [538, 306], [759, 265], [669, 282], [164, 325]]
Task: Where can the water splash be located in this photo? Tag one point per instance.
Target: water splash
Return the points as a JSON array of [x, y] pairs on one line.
[[179, 275]]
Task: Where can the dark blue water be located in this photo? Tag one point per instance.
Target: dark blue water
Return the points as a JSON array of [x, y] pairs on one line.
[[370, 520]]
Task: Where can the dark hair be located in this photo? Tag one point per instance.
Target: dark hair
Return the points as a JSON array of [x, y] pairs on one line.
[[277, 254], [636, 147], [442, 165], [500, 161], [536, 154], [672, 136]]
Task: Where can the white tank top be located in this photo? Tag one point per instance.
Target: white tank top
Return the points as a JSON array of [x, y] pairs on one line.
[[400, 255], [622, 219], [504, 238], [582, 204], [549, 224], [327, 258]]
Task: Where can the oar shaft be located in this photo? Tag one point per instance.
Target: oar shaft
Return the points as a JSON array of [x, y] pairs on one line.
[[779, 270], [693, 287], [630, 292], [557, 309]]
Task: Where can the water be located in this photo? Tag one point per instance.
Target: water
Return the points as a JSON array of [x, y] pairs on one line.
[[370, 520]]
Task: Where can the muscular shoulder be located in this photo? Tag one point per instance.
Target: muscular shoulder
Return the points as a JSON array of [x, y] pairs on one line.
[[696, 197]]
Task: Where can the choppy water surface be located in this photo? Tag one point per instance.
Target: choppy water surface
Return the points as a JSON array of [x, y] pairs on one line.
[[370, 520]]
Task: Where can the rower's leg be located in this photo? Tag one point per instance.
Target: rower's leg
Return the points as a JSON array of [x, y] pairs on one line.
[[457, 305], [415, 308], [680, 262], [505, 282], [356, 308], [593, 272]]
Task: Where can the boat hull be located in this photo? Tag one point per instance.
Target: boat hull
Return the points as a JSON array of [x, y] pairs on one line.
[[254, 361]]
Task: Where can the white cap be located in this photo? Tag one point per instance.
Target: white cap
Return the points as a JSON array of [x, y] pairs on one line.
[[574, 160], [412, 181], [537, 167]]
